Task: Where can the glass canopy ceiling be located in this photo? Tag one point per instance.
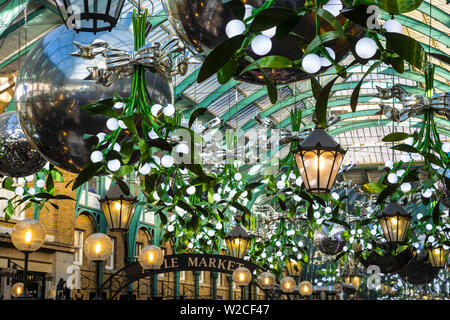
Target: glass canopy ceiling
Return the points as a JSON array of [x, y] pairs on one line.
[[237, 103]]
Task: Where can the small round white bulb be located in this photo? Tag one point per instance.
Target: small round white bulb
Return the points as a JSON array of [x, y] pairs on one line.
[[270, 33], [392, 178], [19, 191], [112, 124], [118, 105], [261, 45], [299, 181], [311, 63], [191, 190], [446, 147], [280, 185], [366, 48], [324, 61], [96, 156], [217, 197], [248, 11], [167, 161], [182, 148], [234, 28], [334, 7], [29, 178], [101, 137], [32, 191], [153, 135], [122, 124], [393, 26], [169, 110], [238, 176], [144, 169], [40, 183], [113, 165], [156, 108], [405, 187]]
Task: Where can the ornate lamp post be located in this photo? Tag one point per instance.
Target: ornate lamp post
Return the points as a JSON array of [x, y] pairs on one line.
[[437, 257], [318, 159], [118, 208], [237, 241], [27, 236], [305, 288], [242, 277], [287, 284], [90, 16], [394, 221], [266, 281], [98, 247]]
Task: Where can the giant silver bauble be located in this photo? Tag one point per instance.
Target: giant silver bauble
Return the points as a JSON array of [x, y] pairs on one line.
[[201, 26], [331, 243], [17, 157], [50, 88]]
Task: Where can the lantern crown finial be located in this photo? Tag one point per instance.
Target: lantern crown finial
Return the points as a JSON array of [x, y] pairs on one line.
[[393, 209]]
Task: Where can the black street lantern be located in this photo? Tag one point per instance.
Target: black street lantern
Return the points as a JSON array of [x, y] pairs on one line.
[[353, 277], [394, 221], [437, 257], [117, 208], [237, 241], [90, 15], [319, 158]]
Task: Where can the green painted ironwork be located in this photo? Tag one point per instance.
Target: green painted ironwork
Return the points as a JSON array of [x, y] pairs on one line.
[[12, 10]]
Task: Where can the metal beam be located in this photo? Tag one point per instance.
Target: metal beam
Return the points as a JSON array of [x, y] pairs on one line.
[[10, 13], [20, 23]]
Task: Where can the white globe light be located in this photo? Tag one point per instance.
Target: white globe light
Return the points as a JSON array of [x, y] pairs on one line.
[[427, 193], [334, 7], [419, 216], [389, 164], [317, 214], [405, 187], [280, 185], [118, 105], [261, 45], [156, 108], [446, 147], [270, 32], [153, 135], [145, 169], [311, 63], [113, 165], [170, 228], [234, 28], [319, 221], [393, 26], [324, 61], [190, 190], [335, 196], [400, 172], [101, 137], [122, 124], [297, 198], [237, 176], [248, 11], [182, 148], [299, 181], [169, 110], [431, 239], [392, 178], [167, 161], [31, 191], [112, 124], [366, 48], [157, 161], [116, 147], [21, 180], [40, 183], [19, 191], [217, 197], [328, 210], [96, 156], [219, 226], [429, 227]]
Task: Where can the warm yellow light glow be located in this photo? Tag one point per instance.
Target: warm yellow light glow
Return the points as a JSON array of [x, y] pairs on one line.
[[305, 289], [288, 285], [98, 247], [319, 162], [150, 257], [236, 241], [437, 251], [266, 280], [19, 290], [28, 236], [394, 221], [242, 276], [117, 205]]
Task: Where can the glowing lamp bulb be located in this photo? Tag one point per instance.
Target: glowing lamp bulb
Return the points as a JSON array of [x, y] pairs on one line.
[[242, 277], [98, 248], [151, 257], [236, 241], [394, 221], [266, 280], [117, 206], [288, 285], [28, 236], [437, 251]]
